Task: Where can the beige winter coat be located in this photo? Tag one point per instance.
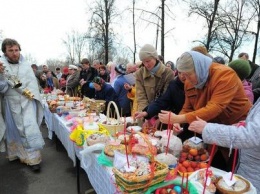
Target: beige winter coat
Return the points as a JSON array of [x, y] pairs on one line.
[[149, 86]]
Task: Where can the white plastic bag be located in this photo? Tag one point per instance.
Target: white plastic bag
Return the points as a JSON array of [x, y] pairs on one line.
[[120, 159], [86, 159], [175, 144]]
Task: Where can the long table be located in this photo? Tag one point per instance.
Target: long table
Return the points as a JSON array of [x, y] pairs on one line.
[[100, 177], [57, 125]]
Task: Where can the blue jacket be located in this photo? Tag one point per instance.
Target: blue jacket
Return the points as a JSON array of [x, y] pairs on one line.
[[108, 94], [123, 100]]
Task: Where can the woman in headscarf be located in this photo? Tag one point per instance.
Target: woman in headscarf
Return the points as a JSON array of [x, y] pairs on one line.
[[104, 91], [213, 92]]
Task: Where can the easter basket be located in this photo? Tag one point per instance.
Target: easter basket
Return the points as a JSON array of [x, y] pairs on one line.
[[113, 125], [132, 183], [93, 105]]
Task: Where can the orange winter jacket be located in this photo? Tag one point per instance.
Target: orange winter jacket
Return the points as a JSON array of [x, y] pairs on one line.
[[221, 100]]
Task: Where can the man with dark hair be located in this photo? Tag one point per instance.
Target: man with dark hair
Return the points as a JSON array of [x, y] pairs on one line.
[[87, 75], [22, 113], [58, 73]]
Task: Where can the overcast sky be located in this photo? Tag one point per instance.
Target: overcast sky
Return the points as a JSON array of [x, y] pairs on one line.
[[40, 25]]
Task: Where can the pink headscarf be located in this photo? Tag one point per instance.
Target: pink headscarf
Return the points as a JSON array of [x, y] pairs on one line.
[[112, 71]]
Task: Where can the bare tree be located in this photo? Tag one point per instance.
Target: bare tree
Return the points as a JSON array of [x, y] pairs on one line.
[[234, 19], [134, 35], [30, 59], [208, 11], [256, 5], [157, 18], [101, 34], [53, 63], [75, 45]]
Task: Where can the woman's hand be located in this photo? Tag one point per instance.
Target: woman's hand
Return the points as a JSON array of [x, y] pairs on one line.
[[177, 128], [166, 117], [198, 125], [127, 86], [139, 115]]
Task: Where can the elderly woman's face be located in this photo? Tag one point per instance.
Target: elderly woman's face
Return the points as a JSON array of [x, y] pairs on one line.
[[149, 63], [190, 76]]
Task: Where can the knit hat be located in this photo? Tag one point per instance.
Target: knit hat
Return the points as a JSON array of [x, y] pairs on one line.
[[241, 67], [65, 70], [121, 69], [147, 51], [73, 67], [99, 81], [185, 63]]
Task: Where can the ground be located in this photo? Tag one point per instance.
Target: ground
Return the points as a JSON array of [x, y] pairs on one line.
[[57, 175]]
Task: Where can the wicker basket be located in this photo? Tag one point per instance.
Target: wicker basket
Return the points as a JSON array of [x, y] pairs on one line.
[[134, 184], [130, 183], [97, 105], [113, 129]]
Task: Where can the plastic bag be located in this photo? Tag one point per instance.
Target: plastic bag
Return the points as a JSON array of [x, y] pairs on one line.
[[86, 159], [120, 159], [175, 145], [103, 160]]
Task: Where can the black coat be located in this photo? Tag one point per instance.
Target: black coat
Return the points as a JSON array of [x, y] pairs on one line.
[[173, 99], [108, 94], [88, 76]]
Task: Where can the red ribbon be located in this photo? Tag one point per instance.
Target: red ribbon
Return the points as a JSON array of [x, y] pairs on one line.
[[207, 170], [125, 143]]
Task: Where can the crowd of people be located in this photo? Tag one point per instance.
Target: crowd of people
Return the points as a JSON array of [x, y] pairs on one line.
[[199, 94]]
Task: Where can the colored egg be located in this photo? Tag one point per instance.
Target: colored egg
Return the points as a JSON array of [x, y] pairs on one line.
[[177, 189]]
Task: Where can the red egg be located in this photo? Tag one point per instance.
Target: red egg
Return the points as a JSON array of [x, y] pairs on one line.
[[163, 191]]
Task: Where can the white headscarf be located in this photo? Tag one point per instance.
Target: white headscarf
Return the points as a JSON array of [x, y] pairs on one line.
[[200, 62]]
